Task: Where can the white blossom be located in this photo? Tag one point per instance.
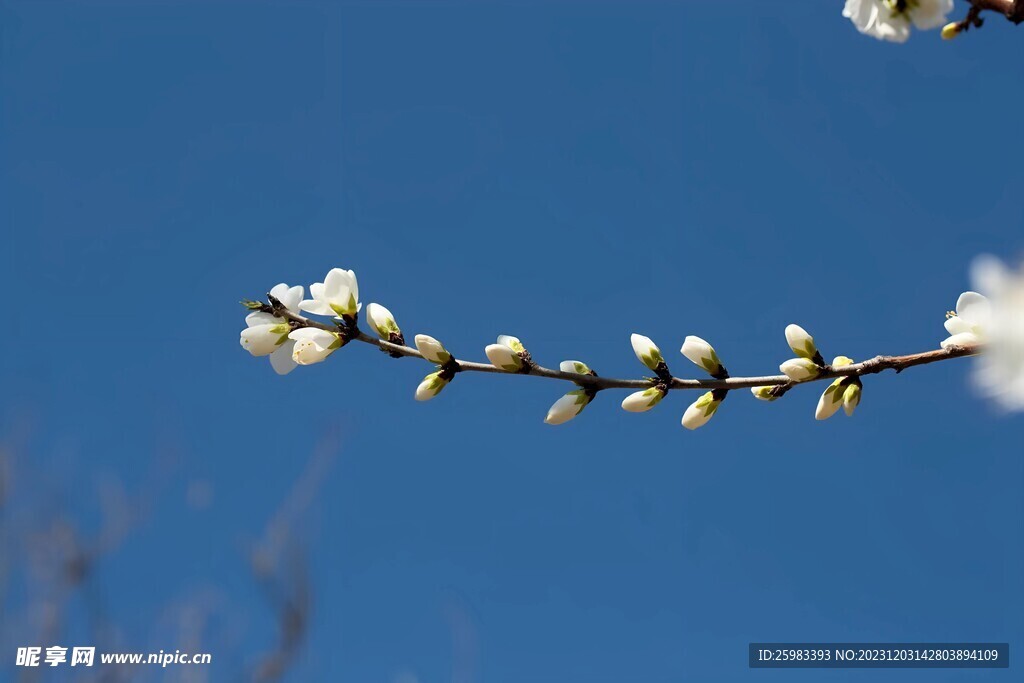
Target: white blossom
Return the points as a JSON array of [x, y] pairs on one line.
[[640, 401], [567, 407], [646, 351], [891, 19], [702, 354], [267, 335], [800, 341], [800, 369], [701, 411], [382, 322], [999, 371], [969, 324], [337, 295], [432, 349], [313, 345], [430, 387], [506, 354]]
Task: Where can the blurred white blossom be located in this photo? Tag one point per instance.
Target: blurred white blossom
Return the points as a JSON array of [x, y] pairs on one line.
[[999, 371], [891, 19]]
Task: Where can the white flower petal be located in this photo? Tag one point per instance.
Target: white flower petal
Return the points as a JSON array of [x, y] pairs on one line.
[[337, 284], [321, 338], [289, 296], [281, 359], [962, 339], [262, 318], [974, 308], [989, 274], [956, 325], [316, 307]]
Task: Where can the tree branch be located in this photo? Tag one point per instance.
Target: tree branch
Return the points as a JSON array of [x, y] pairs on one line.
[[1012, 10], [350, 331]]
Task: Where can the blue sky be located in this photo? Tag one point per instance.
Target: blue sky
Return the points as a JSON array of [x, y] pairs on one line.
[[565, 173]]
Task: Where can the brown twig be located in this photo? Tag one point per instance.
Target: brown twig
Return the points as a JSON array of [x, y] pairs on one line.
[[594, 382]]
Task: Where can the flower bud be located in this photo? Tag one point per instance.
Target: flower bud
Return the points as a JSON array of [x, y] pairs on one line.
[[313, 345], [432, 349], [575, 367], [764, 393], [800, 369], [801, 342], [264, 334], [430, 387], [646, 350], [701, 411], [567, 407], [851, 398], [382, 321], [831, 400], [507, 354], [951, 30], [640, 401], [701, 354], [512, 343]]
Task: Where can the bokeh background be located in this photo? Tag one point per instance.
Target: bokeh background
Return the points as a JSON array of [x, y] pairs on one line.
[[567, 173]]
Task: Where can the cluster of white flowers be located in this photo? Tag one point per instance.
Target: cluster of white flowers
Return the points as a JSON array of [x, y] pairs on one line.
[[891, 19], [270, 335], [995, 320]]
